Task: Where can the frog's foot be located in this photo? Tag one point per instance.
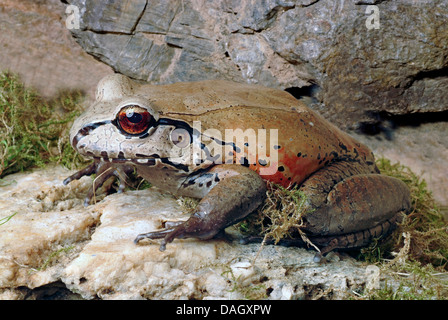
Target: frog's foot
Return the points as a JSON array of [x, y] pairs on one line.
[[238, 192], [104, 171]]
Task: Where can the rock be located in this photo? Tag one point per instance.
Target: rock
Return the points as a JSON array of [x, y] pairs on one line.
[[36, 44], [399, 67], [52, 241]]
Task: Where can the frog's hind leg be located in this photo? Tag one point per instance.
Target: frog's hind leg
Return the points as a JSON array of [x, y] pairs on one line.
[[349, 205], [238, 192]]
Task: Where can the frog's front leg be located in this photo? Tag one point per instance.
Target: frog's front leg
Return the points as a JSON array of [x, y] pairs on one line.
[[237, 192], [103, 170]]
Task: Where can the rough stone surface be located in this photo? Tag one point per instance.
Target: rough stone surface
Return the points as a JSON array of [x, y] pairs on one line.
[[53, 239], [35, 44], [401, 67]]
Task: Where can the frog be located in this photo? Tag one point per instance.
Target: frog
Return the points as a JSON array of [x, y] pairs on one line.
[[222, 142]]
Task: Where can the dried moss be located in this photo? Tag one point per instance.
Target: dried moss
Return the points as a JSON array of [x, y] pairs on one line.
[[34, 131], [280, 216]]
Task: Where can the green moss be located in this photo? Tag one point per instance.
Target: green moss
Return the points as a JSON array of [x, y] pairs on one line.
[[412, 281], [34, 131], [425, 226]]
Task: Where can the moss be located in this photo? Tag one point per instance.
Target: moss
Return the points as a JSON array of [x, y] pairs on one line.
[[410, 280], [425, 227], [279, 217], [33, 130]]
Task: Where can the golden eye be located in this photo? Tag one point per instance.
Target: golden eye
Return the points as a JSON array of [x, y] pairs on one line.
[[134, 119], [180, 137]]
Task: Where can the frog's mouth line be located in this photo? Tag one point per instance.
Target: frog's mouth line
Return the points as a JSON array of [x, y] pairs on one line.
[[149, 161]]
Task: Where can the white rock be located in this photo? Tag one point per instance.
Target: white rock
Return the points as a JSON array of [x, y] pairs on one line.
[[53, 237]]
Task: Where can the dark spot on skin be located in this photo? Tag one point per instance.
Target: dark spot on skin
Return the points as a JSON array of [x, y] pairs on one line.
[[299, 154], [342, 146], [121, 155], [217, 178], [209, 183], [104, 155], [276, 147], [281, 168], [262, 162], [289, 178], [201, 184], [318, 156], [178, 166], [246, 144], [327, 162], [334, 154], [244, 162], [85, 131]]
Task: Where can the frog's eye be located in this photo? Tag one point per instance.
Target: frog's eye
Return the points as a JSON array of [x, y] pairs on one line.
[[180, 137], [134, 119]]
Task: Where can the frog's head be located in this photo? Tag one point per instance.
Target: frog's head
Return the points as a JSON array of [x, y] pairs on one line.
[[122, 126]]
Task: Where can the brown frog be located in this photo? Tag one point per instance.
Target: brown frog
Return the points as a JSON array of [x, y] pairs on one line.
[[220, 141]]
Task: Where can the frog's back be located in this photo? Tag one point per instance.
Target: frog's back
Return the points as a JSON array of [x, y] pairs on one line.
[[306, 141], [195, 98]]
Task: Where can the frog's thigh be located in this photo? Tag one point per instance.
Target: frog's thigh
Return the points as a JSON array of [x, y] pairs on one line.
[[239, 192], [357, 203]]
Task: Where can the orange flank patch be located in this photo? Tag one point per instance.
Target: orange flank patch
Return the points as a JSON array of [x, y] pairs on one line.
[[289, 169]]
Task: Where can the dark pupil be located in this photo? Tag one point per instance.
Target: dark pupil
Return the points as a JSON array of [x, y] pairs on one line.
[[134, 117]]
